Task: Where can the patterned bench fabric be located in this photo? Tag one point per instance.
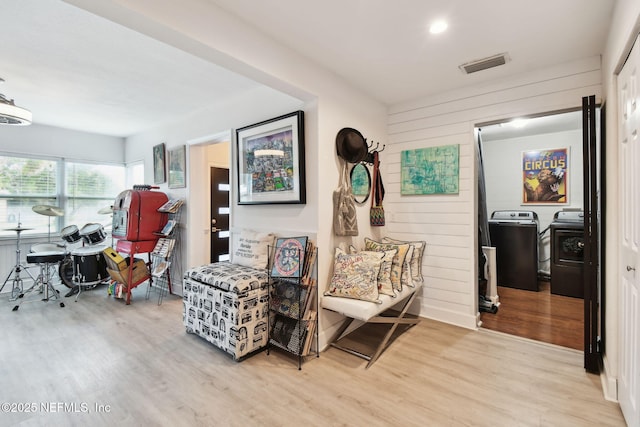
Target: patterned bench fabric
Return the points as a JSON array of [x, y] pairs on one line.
[[234, 321], [229, 277]]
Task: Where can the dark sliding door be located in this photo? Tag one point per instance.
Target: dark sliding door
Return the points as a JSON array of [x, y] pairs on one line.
[[592, 285]]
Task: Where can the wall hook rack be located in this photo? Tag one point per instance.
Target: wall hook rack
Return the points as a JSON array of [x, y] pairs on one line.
[[369, 157]]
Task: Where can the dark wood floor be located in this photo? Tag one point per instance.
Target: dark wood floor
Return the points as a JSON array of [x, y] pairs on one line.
[[541, 316]]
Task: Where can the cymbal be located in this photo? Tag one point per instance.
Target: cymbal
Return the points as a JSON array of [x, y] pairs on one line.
[[106, 210], [18, 229], [48, 210]]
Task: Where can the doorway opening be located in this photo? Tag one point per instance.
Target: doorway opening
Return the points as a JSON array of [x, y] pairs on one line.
[[206, 155], [534, 195], [220, 212]]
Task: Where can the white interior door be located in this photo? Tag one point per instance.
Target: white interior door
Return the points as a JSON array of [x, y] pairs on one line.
[[629, 152]]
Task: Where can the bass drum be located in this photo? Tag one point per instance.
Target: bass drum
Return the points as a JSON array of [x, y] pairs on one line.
[[90, 267], [65, 270]]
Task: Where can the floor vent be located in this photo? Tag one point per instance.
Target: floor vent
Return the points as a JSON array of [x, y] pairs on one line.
[[483, 64]]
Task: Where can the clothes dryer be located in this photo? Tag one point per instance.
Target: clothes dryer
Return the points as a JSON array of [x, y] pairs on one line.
[[567, 254]]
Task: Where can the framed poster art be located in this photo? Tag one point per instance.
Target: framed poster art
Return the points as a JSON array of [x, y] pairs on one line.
[[271, 165], [431, 170], [178, 167], [545, 176], [159, 166]]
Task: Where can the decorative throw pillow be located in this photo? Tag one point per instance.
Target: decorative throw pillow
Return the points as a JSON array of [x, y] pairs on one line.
[[385, 286], [253, 249], [398, 259], [356, 275], [406, 279], [416, 259]]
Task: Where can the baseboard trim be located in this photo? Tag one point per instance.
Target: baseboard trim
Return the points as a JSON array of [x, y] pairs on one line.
[[463, 320], [609, 383]]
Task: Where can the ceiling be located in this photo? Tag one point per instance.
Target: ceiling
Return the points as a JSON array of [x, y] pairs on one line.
[[76, 70]]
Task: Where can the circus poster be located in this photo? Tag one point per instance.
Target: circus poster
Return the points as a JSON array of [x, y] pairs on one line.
[[545, 176]]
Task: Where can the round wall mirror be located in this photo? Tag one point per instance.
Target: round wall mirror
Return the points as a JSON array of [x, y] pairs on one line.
[[360, 183]]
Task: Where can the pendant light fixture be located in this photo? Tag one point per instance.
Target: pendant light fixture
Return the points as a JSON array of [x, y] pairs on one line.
[[11, 114]]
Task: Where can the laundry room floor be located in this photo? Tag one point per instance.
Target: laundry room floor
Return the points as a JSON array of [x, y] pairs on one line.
[[541, 316]]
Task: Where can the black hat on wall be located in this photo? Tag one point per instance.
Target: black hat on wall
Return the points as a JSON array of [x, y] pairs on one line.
[[351, 145]]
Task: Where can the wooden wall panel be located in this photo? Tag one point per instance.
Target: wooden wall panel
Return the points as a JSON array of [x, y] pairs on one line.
[[448, 223]]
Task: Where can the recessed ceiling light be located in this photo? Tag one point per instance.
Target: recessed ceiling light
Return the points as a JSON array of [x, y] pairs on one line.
[[438, 27]]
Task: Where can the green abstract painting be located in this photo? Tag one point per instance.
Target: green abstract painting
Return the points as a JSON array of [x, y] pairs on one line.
[[433, 170]]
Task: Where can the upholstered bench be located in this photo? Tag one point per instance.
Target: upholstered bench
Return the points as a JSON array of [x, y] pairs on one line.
[[367, 284], [368, 312], [227, 305]]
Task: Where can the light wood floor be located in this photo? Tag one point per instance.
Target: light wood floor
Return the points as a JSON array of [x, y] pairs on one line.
[[541, 316], [139, 361]]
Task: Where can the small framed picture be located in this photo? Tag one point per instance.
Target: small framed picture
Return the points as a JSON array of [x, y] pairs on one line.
[[271, 161], [159, 165], [288, 259], [178, 167]]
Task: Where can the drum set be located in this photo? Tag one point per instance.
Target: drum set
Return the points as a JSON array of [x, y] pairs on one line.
[[79, 259], [85, 265]]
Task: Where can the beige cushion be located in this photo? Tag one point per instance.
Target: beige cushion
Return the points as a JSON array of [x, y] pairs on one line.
[[398, 259], [363, 310], [406, 279], [252, 249], [416, 259]]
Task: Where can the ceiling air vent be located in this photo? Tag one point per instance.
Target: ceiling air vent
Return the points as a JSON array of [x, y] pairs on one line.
[[483, 64]]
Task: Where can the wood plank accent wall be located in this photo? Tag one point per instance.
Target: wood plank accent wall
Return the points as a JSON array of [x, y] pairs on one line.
[[448, 223]]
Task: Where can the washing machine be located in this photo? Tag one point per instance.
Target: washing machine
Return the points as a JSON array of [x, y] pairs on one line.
[[514, 234], [567, 253]]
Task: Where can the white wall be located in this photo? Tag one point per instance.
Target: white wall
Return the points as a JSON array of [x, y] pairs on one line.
[[58, 142], [502, 160], [449, 223], [245, 108]]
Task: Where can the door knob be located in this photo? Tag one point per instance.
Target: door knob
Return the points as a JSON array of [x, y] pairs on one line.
[[215, 229], [629, 268]]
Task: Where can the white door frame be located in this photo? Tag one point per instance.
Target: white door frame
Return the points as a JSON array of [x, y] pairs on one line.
[[199, 231]]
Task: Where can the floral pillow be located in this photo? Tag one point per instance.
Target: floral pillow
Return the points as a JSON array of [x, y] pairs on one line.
[[398, 259], [416, 259], [385, 286], [356, 275]]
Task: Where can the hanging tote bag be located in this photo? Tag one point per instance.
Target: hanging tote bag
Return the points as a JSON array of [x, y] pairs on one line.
[[345, 220], [376, 213]]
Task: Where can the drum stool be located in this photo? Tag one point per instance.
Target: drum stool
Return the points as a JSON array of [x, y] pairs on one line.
[[43, 281]]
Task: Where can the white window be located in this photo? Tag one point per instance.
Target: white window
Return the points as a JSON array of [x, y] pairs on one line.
[[88, 188], [135, 173], [79, 189]]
